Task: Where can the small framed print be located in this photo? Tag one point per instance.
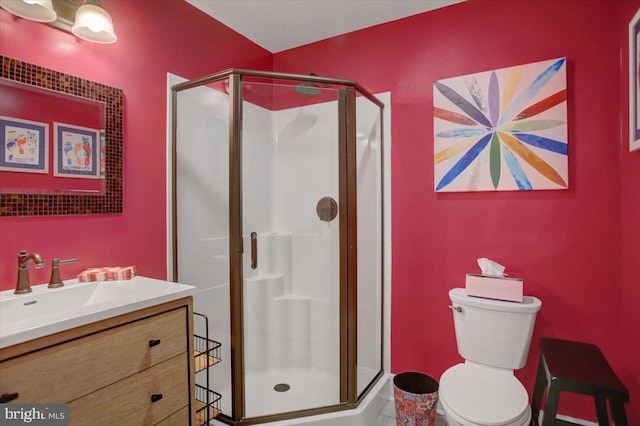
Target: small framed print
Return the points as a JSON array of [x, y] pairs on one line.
[[103, 154], [76, 151], [24, 145]]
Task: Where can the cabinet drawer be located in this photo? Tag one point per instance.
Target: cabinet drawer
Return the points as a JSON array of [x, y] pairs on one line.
[[179, 418], [129, 401], [70, 370]]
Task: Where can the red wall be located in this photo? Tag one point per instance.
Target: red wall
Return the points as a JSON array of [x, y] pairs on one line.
[[629, 329], [172, 36], [566, 244], [577, 249]]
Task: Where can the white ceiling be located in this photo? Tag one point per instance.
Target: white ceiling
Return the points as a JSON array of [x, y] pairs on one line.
[[278, 25]]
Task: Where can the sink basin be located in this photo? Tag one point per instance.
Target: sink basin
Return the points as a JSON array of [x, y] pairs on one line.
[[46, 311]]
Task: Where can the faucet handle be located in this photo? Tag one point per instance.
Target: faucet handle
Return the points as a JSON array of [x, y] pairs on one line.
[[55, 281]]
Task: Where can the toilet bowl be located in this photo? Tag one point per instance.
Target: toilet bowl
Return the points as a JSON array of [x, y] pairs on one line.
[[493, 337], [473, 395]]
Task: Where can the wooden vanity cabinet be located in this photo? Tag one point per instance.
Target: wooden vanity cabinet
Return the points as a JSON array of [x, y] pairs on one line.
[[133, 369]]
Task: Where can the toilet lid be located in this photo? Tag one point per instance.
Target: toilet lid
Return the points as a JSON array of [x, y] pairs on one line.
[[483, 395]]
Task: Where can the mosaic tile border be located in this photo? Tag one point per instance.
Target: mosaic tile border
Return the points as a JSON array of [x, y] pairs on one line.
[[69, 204]]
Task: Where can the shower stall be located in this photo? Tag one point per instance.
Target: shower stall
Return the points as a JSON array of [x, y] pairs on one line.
[[276, 187]]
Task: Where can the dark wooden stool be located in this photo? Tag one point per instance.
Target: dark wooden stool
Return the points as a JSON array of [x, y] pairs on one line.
[[579, 368]]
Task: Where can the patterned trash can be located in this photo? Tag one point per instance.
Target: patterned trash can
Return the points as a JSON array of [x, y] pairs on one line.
[[416, 399]]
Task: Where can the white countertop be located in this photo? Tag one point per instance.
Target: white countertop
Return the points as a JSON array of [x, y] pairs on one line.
[[46, 311]]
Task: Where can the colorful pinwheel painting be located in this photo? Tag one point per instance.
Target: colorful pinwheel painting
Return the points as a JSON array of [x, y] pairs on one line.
[[502, 130]]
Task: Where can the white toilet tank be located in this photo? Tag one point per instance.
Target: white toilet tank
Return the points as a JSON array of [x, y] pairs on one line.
[[493, 332]]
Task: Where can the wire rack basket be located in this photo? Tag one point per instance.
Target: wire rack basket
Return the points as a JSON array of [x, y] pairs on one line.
[[206, 353], [207, 405]]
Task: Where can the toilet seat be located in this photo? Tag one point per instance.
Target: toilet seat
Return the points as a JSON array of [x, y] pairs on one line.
[[454, 420], [484, 395]]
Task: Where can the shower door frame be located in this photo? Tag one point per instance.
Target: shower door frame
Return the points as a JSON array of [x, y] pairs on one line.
[[347, 206]]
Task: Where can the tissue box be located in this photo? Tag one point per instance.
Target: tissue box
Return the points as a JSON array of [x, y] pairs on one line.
[[502, 288]]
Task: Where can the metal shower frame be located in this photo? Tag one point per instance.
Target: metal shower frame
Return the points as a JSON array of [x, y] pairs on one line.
[[349, 398]]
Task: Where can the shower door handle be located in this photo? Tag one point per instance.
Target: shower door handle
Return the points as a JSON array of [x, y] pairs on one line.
[[254, 250]]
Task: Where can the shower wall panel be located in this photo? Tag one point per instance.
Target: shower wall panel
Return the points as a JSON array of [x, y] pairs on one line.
[[369, 187], [202, 211], [258, 173], [292, 334], [202, 187], [307, 170]]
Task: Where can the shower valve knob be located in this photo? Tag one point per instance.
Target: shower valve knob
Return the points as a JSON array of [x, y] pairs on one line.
[[327, 209]]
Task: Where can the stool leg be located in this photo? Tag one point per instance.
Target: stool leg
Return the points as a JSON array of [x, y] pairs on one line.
[[601, 409], [551, 406], [538, 392], [617, 412]]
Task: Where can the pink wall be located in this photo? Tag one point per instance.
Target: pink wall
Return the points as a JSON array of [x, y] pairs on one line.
[[172, 36], [629, 349], [577, 249], [566, 244]]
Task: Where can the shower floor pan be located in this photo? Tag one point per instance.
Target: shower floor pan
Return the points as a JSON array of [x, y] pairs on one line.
[[306, 391]]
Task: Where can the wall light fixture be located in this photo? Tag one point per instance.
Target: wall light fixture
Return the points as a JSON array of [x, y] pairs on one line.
[[88, 21]]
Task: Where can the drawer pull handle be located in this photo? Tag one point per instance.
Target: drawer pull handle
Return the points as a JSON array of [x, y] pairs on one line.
[[6, 397], [154, 342], [156, 397]]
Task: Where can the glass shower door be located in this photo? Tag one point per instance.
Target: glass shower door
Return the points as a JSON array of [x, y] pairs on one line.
[[291, 240], [201, 215]]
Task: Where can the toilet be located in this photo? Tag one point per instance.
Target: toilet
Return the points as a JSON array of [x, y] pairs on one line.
[[493, 337]]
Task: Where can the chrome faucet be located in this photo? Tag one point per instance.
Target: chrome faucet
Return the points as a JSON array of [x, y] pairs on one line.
[[22, 285]]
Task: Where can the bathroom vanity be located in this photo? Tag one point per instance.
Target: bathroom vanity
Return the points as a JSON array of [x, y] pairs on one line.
[[132, 368]]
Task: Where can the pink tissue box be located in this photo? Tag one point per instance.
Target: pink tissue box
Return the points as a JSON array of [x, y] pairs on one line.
[[491, 287]]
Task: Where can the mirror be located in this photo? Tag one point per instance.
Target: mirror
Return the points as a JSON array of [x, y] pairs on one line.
[[50, 142], [72, 131]]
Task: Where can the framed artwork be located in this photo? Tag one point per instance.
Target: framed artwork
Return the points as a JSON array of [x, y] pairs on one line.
[[76, 151], [502, 130], [634, 82], [103, 154], [24, 145]]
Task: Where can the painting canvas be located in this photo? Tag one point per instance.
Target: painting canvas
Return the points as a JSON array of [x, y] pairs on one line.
[[634, 82], [24, 145], [502, 130], [76, 152]]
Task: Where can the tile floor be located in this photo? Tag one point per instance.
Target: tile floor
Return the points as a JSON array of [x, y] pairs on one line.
[[387, 417]]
